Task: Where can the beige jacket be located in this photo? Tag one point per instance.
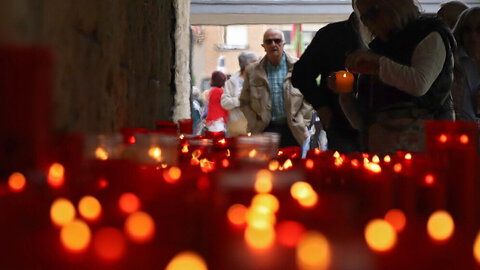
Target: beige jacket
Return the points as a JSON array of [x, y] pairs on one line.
[[256, 102]]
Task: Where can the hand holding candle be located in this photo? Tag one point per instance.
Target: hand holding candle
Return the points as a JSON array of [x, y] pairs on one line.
[[344, 81], [364, 62]]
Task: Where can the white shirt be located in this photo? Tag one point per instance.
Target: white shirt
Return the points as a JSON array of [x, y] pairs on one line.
[[230, 97]]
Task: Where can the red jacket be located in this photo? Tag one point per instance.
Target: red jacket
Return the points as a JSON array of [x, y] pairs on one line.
[[215, 109]]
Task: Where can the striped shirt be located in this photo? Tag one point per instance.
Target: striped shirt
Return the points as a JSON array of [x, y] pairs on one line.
[[276, 75]]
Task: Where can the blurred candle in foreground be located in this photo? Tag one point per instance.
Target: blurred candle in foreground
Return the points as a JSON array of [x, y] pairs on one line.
[[344, 81], [62, 212], [16, 182], [109, 244], [380, 235], [187, 260], [313, 252], [140, 227], [440, 226], [75, 236], [56, 175]]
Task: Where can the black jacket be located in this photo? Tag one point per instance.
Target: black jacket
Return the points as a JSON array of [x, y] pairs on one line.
[[326, 54]]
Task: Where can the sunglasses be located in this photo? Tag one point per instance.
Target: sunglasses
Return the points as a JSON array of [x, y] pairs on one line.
[[270, 41], [371, 13]]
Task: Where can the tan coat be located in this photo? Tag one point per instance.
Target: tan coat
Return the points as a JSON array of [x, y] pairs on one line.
[[256, 102]]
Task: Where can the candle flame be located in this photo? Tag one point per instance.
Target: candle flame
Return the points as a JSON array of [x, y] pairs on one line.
[[196, 154], [155, 152], [228, 152], [101, 154], [252, 153], [273, 165], [222, 141], [408, 156], [317, 151], [309, 164], [387, 159], [288, 164], [375, 159], [185, 148], [336, 154], [181, 136]]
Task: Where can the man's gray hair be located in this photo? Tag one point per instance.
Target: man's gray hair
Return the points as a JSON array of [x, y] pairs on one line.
[[245, 58]]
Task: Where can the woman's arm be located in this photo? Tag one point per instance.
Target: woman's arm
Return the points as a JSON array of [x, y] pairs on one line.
[[427, 62]]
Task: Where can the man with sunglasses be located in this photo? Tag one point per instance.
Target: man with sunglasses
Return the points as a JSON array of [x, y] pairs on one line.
[[269, 101]]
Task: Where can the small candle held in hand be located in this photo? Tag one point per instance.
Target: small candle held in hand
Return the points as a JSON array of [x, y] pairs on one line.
[[344, 81]]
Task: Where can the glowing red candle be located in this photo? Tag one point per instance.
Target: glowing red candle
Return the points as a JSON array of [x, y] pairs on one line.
[[344, 81]]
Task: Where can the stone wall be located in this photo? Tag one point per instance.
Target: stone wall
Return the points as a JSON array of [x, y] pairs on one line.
[[113, 58]]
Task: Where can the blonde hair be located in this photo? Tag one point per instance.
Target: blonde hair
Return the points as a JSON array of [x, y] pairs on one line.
[[402, 12]]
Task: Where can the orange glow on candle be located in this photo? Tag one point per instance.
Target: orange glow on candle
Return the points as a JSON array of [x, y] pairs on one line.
[[397, 167], [75, 236], [373, 167], [317, 151], [101, 154], [344, 81], [236, 214], [16, 182], [397, 219], [313, 252], [252, 153], [476, 248], [309, 164], [380, 235], [263, 181], [355, 163], [102, 183], [56, 175], [140, 227], [268, 200], [109, 244], [156, 153], [260, 216], [259, 239], [132, 140], [442, 138], [310, 201], [89, 208], [129, 203], [300, 190], [225, 163], [172, 175], [206, 165], [387, 159], [288, 164], [62, 212], [429, 179], [464, 139], [375, 159], [289, 233], [408, 156], [273, 165], [440, 225], [187, 260]]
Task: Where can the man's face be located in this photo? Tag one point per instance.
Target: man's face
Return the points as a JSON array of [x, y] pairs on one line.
[[273, 44]]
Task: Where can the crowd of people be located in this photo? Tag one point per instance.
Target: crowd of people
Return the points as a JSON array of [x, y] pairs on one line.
[[408, 67]]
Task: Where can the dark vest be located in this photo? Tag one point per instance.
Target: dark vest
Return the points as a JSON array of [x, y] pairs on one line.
[[377, 96]]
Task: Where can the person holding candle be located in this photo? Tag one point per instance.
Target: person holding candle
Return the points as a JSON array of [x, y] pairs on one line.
[[269, 101], [216, 115], [405, 76], [325, 55], [237, 124]]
